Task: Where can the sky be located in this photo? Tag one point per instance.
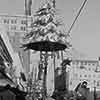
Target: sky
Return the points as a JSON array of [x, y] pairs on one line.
[[85, 33]]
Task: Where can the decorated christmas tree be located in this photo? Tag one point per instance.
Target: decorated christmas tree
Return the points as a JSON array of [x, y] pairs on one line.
[[47, 26]]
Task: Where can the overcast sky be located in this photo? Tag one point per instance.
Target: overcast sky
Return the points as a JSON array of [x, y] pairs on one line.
[[86, 32]]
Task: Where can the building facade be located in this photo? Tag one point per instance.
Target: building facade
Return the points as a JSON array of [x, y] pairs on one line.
[[85, 70], [79, 71], [16, 27], [6, 62]]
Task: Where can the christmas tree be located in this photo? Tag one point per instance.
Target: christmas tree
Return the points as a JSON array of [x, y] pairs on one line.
[[46, 26]]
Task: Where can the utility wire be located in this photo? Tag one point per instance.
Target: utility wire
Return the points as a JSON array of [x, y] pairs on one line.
[[77, 16]]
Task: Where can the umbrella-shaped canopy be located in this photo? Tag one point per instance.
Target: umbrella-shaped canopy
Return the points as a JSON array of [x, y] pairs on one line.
[[45, 46]]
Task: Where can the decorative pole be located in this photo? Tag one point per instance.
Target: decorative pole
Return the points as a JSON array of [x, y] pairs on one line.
[[28, 4], [54, 63], [94, 90], [45, 72]]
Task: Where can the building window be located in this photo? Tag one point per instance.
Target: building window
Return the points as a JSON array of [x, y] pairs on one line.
[[82, 63], [13, 21], [98, 83], [82, 67], [80, 80], [80, 75], [85, 75], [23, 28], [70, 82], [10, 40], [93, 64], [6, 21], [89, 69], [23, 22]]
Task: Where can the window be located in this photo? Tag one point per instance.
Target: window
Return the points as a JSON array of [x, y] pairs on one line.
[[23, 28], [82, 63], [6, 21], [13, 21], [93, 64], [85, 75], [10, 40], [89, 69], [23, 22], [82, 67], [80, 80], [80, 75], [98, 83], [70, 82]]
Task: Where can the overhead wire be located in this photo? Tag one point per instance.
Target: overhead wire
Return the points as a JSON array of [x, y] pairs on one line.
[[79, 12]]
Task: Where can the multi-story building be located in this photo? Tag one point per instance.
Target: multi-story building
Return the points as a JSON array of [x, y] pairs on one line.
[[79, 71], [83, 68], [87, 70], [6, 61], [16, 27]]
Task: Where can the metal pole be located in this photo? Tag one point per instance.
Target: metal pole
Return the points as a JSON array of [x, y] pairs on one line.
[[26, 11], [25, 7], [26, 14], [45, 74], [54, 69], [79, 12]]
